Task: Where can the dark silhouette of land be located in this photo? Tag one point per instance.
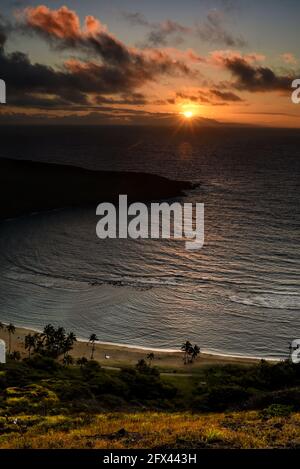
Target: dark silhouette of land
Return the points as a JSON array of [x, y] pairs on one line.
[[28, 186]]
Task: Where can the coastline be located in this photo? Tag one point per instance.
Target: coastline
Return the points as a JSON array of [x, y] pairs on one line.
[[125, 355], [29, 187]]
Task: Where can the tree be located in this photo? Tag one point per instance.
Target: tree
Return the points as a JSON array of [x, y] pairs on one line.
[[187, 349], [51, 342], [11, 330], [190, 352], [142, 366], [30, 343], [150, 357], [68, 360], [1, 326], [68, 343], [196, 351], [15, 355], [54, 342], [92, 340], [82, 361]]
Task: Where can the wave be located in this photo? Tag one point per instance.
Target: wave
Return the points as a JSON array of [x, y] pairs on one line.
[[267, 300], [73, 283]]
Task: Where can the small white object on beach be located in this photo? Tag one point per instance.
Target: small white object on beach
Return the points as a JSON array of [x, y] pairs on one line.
[[2, 351], [106, 357]]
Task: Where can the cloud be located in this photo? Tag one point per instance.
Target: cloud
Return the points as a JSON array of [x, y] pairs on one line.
[[62, 27], [160, 34], [289, 58], [136, 99], [212, 30], [249, 75], [2, 37], [227, 96], [136, 18], [111, 68], [209, 96], [74, 82], [217, 57], [5, 28]]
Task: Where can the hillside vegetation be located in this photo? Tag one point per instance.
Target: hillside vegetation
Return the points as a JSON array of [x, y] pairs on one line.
[[44, 404]]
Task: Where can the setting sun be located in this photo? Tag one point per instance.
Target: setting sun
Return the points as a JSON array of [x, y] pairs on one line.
[[188, 114]]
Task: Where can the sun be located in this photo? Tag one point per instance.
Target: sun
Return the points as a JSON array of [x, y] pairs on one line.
[[188, 114]]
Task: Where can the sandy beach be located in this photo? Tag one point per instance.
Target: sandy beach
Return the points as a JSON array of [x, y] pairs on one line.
[[123, 355]]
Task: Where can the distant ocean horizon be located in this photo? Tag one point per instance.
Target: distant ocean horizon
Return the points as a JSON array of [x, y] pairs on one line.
[[239, 295]]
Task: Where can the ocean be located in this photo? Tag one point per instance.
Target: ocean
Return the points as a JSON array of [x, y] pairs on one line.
[[238, 295]]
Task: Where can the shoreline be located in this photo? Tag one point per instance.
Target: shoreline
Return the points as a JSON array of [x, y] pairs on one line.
[[124, 355], [21, 181]]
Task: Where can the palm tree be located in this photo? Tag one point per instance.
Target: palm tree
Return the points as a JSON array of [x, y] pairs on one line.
[[68, 360], [92, 340], [150, 357], [11, 330], [187, 349], [30, 343], [196, 351], [68, 343], [48, 332], [82, 361]]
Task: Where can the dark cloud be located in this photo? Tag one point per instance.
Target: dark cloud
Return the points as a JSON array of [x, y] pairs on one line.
[[160, 33], [117, 69], [5, 28], [209, 96], [213, 30], [256, 78], [136, 99], [71, 85], [136, 19], [226, 96]]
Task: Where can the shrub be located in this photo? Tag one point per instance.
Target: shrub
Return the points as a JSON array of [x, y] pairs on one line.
[[219, 398], [30, 398], [276, 410]]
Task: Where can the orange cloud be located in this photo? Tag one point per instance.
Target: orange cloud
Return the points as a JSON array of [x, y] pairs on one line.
[[289, 58], [62, 23], [218, 57]]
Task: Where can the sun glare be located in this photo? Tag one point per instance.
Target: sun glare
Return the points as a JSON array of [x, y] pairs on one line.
[[188, 114]]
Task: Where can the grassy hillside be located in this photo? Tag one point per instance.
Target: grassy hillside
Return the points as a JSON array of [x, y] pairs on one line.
[[250, 429], [44, 404]]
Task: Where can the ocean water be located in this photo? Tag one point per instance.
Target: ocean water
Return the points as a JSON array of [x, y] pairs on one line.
[[238, 295]]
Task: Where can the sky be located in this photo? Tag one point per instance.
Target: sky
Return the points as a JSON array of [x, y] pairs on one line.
[[150, 62]]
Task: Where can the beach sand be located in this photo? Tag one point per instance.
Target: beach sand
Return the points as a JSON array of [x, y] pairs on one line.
[[120, 356]]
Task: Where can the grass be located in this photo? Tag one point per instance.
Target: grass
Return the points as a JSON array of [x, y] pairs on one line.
[[151, 430], [46, 405]]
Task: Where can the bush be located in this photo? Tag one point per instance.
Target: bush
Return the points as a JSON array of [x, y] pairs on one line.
[[71, 390], [276, 410], [30, 398], [219, 398]]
